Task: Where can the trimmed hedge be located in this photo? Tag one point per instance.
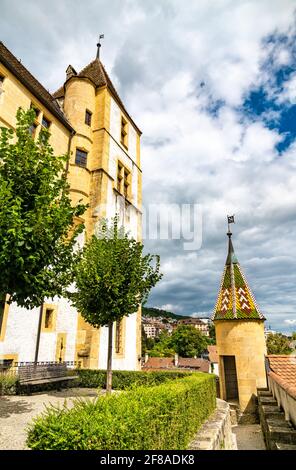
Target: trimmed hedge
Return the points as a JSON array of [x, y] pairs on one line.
[[125, 379], [162, 417]]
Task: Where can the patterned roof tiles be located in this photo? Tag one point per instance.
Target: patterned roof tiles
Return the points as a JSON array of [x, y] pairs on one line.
[[235, 299]]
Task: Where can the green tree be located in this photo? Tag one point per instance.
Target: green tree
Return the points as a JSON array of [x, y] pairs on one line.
[[36, 217], [163, 346], [278, 344], [294, 335], [113, 278], [212, 333], [187, 341]]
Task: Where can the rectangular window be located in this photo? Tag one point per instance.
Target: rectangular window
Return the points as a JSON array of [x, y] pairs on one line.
[[88, 117], [1, 83], [32, 129], [126, 184], [123, 180], [37, 111], [123, 136], [81, 158], [45, 122], [118, 337], [48, 318], [119, 177]]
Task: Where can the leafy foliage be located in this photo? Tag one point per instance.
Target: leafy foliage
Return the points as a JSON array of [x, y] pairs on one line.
[[125, 379], [278, 344], [113, 277], [8, 383], [187, 341], [36, 216], [162, 417], [157, 312]]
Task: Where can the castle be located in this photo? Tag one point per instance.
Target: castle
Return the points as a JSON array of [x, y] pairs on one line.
[[87, 119]]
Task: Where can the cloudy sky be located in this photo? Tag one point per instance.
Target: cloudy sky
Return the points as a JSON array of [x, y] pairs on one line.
[[212, 85]]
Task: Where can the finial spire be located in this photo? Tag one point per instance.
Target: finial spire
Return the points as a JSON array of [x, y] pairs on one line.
[[99, 46], [231, 258]]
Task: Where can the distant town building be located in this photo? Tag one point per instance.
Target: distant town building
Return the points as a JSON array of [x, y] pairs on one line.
[[198, 323], [153, 329]]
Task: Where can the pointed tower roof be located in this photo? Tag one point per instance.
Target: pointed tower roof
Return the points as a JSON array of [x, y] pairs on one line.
[[96, 73], [235, 299]]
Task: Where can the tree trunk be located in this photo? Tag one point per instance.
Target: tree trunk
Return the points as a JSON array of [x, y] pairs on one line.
[[109, 359], [38, 334]]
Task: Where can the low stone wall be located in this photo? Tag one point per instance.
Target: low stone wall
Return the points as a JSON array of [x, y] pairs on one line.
[[216, 432], [278, 433], [285, 395]]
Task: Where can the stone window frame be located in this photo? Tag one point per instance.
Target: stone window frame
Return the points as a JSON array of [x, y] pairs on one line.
[[52, 328], [124, 180], [124, 130], [120, 337]]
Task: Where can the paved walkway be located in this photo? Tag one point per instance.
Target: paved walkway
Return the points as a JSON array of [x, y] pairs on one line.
[[16, 412], [249, 437]]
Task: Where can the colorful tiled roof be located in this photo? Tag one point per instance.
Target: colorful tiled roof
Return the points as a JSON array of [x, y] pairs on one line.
[[235, 299], [96, 73]]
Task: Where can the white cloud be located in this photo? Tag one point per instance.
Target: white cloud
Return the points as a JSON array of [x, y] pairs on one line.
[[158, 55]]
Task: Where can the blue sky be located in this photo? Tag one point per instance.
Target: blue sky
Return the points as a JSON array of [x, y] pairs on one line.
[[213, 87]]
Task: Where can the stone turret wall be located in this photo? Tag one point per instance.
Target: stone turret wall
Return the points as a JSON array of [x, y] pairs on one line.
[[245, 340]]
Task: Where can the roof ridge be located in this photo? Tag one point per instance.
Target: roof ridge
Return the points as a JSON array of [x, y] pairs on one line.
[[12, 63]]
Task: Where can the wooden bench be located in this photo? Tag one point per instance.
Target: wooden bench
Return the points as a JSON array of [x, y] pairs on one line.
[[38, 374]]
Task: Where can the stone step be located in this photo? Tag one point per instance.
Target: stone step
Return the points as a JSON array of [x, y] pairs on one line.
[[270, 411], [280, 433], [264, 393], [267, 401], [283, 446]]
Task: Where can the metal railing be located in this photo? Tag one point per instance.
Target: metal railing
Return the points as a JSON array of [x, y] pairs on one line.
[[12, 367]]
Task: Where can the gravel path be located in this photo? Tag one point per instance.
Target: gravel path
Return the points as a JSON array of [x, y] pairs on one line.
[[249, 437], [17, 411]]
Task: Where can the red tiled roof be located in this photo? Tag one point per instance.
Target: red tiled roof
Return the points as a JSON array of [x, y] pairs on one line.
[[213, 354], [97, 74], [160, 363], [284, 366], [32, 84], [199, 364], [194, 363]]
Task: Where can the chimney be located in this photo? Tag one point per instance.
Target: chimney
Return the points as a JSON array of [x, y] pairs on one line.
[[176, 360], [146, 358]]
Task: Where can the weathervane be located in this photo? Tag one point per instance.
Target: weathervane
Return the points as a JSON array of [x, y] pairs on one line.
[[99, 45], [230, 220]]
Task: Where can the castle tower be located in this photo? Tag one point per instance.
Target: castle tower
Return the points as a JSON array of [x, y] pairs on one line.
[[240, 337]]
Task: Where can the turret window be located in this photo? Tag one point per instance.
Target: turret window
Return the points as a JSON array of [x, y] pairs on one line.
[[81, 158], [45, 122], [1, 83], [88, 115]]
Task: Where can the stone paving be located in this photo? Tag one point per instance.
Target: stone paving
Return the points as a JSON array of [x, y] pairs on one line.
[[249, 437], [16, 412]]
